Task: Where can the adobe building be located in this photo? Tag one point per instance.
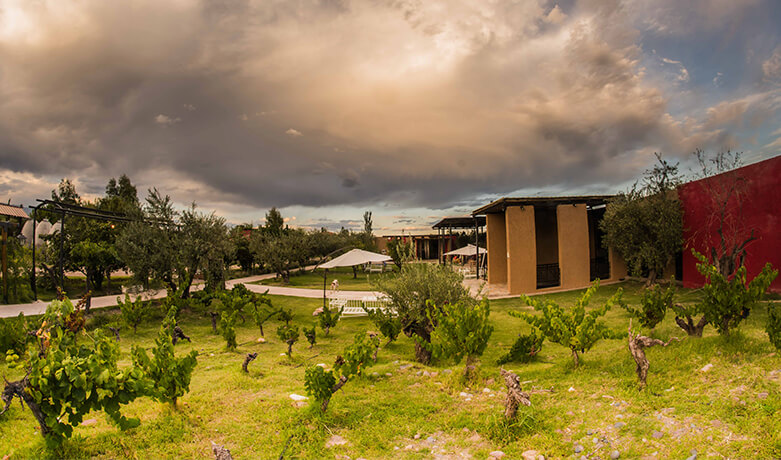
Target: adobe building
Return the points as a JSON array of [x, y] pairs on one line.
[[538, 244]]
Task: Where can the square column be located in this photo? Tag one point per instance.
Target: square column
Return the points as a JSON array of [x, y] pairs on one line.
[[521, 255], [574, 262], [618, 268], [496, 239]]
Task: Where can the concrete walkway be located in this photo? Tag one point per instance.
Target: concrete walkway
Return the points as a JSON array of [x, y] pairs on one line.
[[38, 308]]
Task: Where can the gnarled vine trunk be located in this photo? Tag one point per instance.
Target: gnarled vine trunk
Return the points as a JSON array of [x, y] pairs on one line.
[[18, 389], [637, 345], [694, 330], [515, 396]]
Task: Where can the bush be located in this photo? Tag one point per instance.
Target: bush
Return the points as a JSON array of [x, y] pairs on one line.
[[288, 334], [726, 302], [462, 331], [171, 375], [13, 335], [773, 327], [133, 312], [410, 292], [329, 318], [228, 329], [67, 379], [575, 329], [321, 384], [386, 320], [311, 335], [524, 349], [653, 305]]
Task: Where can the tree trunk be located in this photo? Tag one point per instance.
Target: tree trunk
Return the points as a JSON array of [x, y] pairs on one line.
[[290, 348], [215, 315], [515, 396], [19, 389], [116, 331], [422, 355], [575, 358], [355, 272], [248, 359], [693, 330], [469, 368], [637, 346], [337, 387]]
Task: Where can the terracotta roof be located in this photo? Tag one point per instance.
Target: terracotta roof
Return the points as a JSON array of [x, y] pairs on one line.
[[13, 211], [551, 201]]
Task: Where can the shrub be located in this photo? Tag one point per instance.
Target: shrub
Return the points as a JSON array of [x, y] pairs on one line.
[[321, 384], [285, 315], [13, 335], [410, 292], [311, 335], [171, 375], [773, 327], [726, 302], [653, 305], [288, 334], [524, 349], [329, 318], [462, 331], [133, 312], [575, 329], [263, 310], [386, 320], [67, 379], [228, 329]]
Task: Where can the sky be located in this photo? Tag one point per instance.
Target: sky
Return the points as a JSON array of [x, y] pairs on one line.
[[411, 109]]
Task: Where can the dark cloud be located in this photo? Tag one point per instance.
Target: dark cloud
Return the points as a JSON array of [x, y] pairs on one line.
[[327, 103]]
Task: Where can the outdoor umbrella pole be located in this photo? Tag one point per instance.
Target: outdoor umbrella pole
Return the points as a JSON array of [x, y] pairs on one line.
[[325, 276]]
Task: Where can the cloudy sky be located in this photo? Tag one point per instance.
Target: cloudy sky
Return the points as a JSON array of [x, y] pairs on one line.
[[413, 109]]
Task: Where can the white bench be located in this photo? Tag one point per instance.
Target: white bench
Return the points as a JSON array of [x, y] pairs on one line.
[[357, 307]]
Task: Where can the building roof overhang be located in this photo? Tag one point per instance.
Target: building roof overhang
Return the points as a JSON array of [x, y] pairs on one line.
[[461, 222], [501, 204]]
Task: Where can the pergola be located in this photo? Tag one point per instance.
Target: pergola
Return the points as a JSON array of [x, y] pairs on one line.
[[446, 226]]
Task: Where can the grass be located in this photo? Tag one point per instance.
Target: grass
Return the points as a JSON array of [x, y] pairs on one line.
[[314, 280], [76, 286], [733, 410]]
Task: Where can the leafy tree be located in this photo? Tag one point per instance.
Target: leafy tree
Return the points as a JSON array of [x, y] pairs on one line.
[[329, 318], [653, 305], [228, 329], [311, 335], [19, 263], [133, 312], [274, 222], [727, 301], [462, 331], [367, 236], [525, 348], [239, 237], [171, 375], [322, 384], [288, 334], [386, 320], [281, 253], [410, 293], [401, 250], [203, 243], [645, 224], [67, 378], [577, 329]]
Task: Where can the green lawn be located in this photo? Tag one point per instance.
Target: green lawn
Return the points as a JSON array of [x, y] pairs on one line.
[[76, 286], [314, 280], [733, 410]]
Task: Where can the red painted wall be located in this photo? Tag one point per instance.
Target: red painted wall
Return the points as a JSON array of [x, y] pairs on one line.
[[759, 206]]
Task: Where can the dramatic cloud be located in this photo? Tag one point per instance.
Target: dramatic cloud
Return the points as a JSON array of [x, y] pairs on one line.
[[354, 104]]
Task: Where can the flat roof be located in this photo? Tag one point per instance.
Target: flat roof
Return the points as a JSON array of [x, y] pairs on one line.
[[460, 222], [549, 201]]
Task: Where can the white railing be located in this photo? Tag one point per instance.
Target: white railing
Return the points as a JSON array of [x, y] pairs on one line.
[[358, 307]]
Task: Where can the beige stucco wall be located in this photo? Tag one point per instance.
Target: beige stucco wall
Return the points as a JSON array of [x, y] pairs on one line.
[[496, 240], [521, 255], [573, 246], [618, 268]]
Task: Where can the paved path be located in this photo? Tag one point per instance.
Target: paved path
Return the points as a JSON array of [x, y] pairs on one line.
[[38, 308]]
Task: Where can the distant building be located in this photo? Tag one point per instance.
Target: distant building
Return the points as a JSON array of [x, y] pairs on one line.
[[537, 244]]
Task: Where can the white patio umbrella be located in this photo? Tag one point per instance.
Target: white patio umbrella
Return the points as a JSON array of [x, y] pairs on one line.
[[351, 259], [468, 250]]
